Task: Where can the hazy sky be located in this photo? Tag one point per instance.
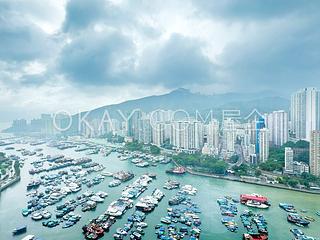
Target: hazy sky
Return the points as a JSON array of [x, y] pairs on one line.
[[76, 55]]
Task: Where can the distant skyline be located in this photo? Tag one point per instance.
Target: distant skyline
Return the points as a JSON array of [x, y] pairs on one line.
[[77, 55]]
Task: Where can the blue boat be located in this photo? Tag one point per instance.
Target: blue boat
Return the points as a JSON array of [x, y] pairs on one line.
[[19, 230]]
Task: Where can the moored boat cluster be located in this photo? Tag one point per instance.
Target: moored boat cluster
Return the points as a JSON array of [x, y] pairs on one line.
[[182, 219]]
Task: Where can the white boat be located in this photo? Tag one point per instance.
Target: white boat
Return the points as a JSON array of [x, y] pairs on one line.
[[36, 216], [142, 224], [107, 174], [256, 204], [189, 189], [46, 214], [29, 237], [96, 199], [102, 194]]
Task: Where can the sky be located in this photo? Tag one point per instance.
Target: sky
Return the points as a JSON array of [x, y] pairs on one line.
[[75, 55]]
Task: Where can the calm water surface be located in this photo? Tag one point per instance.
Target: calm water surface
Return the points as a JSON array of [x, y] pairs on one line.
[[13, 200]]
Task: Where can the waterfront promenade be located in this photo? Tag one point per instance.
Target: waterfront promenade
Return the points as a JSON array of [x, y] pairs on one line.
[[242, 180]]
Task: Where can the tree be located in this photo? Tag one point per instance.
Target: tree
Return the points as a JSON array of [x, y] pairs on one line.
[[234, 158], [202, 162], [302, 157], [154, 150], [17, 168], [241, 170], [258, 173], [293, 182]]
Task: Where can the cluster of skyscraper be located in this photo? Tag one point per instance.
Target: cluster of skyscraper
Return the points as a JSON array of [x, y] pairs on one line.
[[249, 138]]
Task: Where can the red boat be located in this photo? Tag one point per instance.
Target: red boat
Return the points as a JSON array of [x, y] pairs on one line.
[[253, 197], [257, 236]]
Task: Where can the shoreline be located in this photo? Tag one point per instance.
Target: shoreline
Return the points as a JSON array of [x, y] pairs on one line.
[[9, 184], [201, 174]]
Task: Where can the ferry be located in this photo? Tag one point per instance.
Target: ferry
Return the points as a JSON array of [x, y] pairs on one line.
[[253, 197]]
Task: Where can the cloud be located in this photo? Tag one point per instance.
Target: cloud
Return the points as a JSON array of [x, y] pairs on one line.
[[103, 58], [21, 40], [89, 49], [179, 61], [81, 13], [279, 55], [248, 10]]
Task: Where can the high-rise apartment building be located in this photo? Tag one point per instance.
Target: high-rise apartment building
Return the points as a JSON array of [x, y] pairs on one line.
[[263, 144], [288, 160], [315, 153], [305, 112], [277, 123]]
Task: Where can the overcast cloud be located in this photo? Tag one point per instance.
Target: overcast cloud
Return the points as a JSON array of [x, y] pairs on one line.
[[82, 54]]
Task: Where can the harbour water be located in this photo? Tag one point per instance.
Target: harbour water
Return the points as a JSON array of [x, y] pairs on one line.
[[13, 199]]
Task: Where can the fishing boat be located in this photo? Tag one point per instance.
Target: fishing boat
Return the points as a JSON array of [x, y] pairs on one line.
[[297, 219], [287, 207]]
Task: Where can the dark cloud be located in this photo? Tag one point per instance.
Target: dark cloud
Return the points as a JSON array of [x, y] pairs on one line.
[[81, 13], [179, 62], [97, 58], [109, 59], [285, 56], [20, 39]]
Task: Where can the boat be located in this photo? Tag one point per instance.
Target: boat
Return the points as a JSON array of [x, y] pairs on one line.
[[188, 189], [142, 224], [142, 164], [19, 230], [166, 220], [171, 184], [97, 199], [123, 176], [253, 197], [309, 218], [46, 214], [29, 237], [297, 232], [25, 212], [114, 183], [256, 204], [33, 184], [36, 216], [254, 236], [107, 174], [176, 170], [287, 207], [297, 219], [50, 223]]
